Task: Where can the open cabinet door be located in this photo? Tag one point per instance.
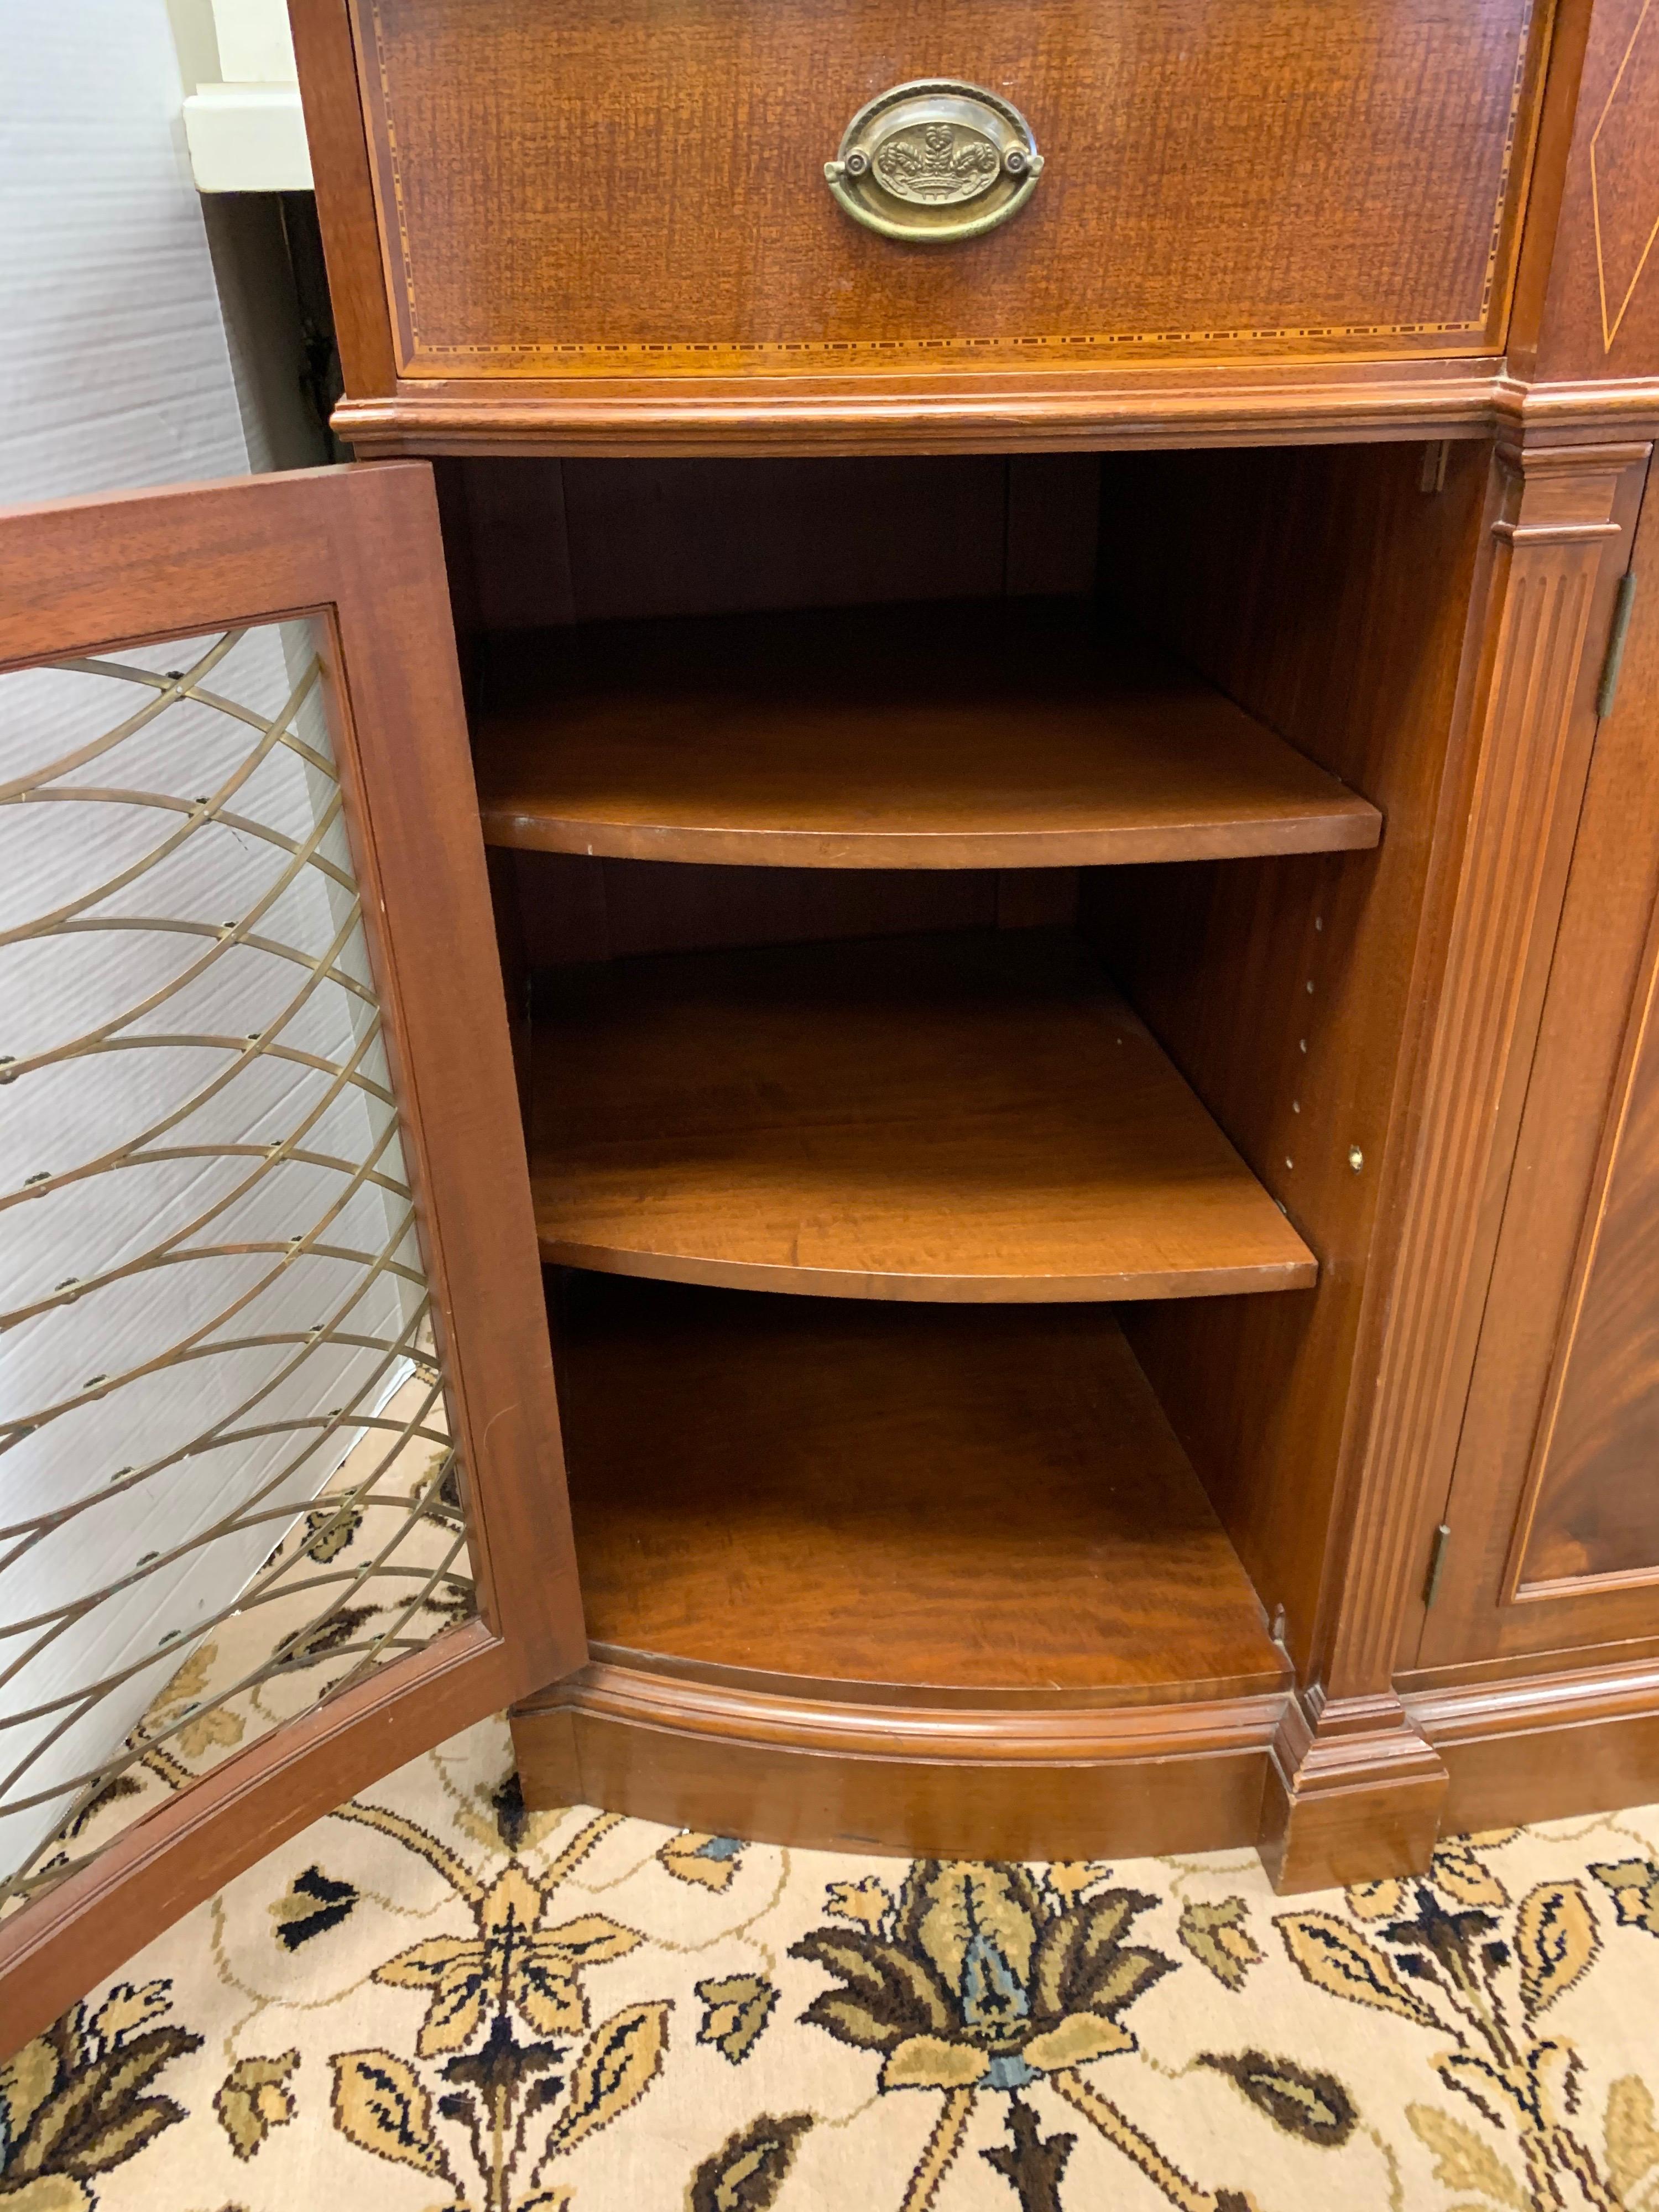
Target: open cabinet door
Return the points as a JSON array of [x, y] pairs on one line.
[[281, 1499]]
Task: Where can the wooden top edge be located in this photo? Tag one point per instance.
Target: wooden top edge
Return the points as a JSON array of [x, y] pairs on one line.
[[1272, 1674], [666, 417], [1462, 1711], [1197, 1282], [1190, 1724], [1354, 827]]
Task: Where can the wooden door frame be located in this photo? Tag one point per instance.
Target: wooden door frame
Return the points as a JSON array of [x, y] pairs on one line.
[[358, 547], [1487, 1619]]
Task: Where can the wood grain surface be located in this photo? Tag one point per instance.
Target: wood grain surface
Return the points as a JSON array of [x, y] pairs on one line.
[[989, 733], [1593, 1509], [963, 1117], [915, 1498], [1579, 1739], [1600, 316], [1327, 592], [1555, 1540], [935, 1780], [570, 190]]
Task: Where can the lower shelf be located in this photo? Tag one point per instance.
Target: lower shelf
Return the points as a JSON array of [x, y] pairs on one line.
[[975, 1506], [963, 1117]]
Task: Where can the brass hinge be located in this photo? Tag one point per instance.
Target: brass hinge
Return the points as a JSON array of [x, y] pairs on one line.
[[1437, 1561], [1607, 689]]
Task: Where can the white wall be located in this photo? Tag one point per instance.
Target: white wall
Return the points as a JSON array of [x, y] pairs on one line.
[[120, 373], [116, 363]]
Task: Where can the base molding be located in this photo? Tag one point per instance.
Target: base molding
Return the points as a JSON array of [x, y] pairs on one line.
[[1545, 1747], [1331, 1791], [1354, 1792], [916, 1781]]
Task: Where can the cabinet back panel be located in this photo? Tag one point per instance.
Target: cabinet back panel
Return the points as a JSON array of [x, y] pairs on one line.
[[569, 188], [557, 542], [577, 909]]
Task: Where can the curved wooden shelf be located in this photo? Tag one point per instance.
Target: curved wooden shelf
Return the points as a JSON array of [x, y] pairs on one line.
[[969, 1117], [983, 1506], [985, 734]]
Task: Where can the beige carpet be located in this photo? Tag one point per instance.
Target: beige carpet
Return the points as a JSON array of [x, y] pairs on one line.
[[398, 2009]]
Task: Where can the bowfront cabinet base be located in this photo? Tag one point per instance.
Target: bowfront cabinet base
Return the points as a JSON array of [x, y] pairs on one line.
[[941, 1782], [1353, 1793]]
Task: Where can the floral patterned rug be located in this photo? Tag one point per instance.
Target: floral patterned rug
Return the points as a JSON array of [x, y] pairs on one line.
[[432, 2000]]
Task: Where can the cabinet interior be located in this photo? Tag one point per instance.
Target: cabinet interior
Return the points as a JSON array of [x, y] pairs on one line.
[[959, 917]]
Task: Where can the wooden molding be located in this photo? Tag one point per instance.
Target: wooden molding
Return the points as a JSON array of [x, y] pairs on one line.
[[1016, 1734], [1545, 1746], [1353, 1793], [1557, 536], [1201, 405], [55, 1949], [960, 414], [820, 1774]]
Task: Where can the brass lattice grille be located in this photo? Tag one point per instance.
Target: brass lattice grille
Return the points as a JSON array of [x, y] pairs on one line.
[[222, 1437]]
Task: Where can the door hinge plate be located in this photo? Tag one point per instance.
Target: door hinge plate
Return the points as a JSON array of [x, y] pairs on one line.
[[1437, 1561], [1607, 689]]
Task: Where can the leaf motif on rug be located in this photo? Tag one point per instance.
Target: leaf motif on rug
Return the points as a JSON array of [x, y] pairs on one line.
[[750, 2167], [313, 1903], [1338, 1959], [1442, 1960], [710, 1861], [737, 2008], [1217, 1936], [511, 1965], [73, 2102], [381, 2105], [1310, 2105], [1635, 1886], [1633, 2139], [1555, 1941], [1461, 2159], [254, 2098]]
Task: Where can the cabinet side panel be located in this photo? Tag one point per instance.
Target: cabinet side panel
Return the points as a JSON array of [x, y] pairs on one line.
[[1326, 590]]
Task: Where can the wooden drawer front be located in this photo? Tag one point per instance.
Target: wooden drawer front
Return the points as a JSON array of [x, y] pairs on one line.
[[606, 187]]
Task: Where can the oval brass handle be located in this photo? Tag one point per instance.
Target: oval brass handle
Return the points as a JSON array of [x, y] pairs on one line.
[[935, 160]]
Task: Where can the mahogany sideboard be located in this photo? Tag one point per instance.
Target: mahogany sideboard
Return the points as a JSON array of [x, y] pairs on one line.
[[1070, 761]]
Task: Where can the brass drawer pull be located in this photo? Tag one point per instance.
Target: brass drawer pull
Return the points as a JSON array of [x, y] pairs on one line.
[[935, 160]]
